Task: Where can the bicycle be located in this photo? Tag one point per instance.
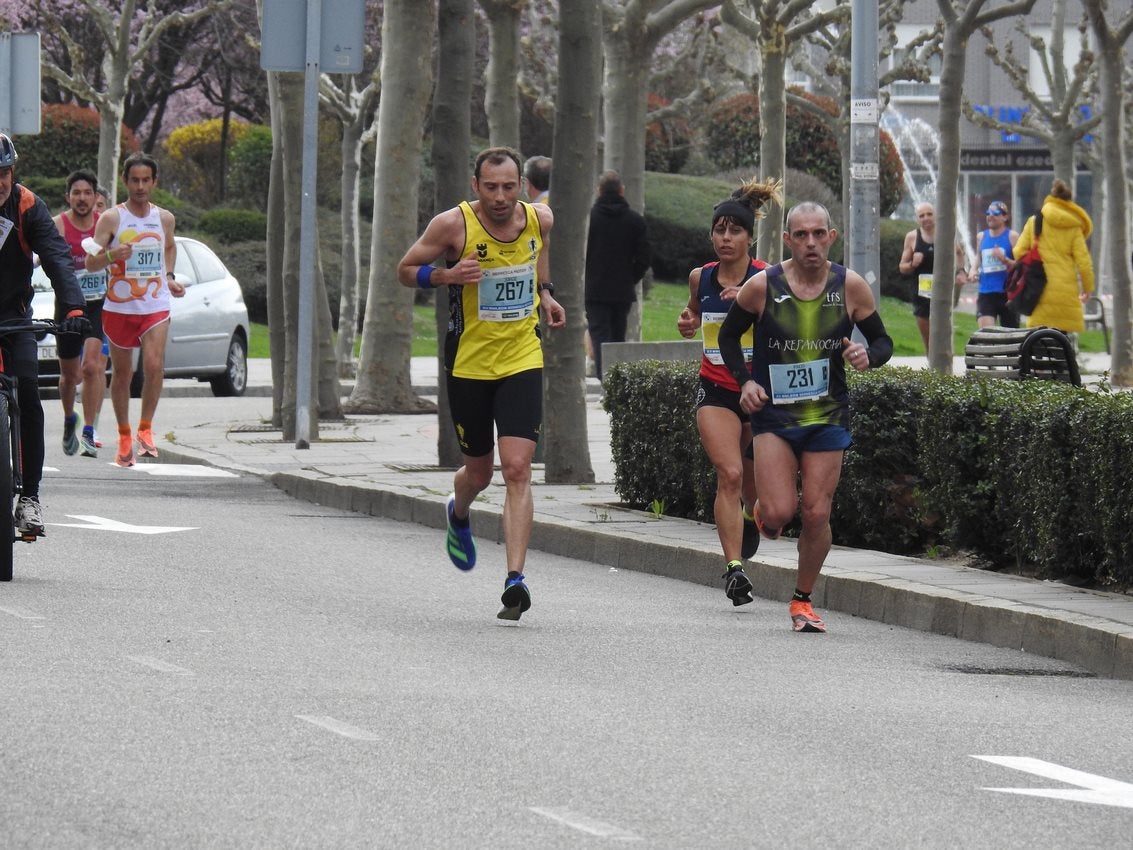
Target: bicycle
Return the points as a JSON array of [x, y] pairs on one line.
[[11, 466]]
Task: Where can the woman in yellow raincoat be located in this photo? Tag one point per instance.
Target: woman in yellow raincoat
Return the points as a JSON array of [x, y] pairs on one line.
[[1066, 260]]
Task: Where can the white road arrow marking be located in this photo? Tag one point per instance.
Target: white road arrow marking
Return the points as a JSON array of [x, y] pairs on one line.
[[586, 824], [339, 728], [159, 665], [98, 523], [181, 470], [21, 612], [1091, 788]]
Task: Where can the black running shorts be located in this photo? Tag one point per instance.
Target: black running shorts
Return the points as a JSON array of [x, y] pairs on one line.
[[514, 405]]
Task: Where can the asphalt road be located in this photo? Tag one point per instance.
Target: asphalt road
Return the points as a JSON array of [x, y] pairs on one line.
[[277, 674]]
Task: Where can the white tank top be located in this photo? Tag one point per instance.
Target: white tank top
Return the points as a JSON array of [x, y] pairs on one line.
[[137, 284]]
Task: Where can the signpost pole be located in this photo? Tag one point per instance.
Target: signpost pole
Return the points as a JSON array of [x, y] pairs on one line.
[[305, 370], [863, 233]]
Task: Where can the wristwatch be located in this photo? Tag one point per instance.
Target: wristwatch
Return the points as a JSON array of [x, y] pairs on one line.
[[547, 286]]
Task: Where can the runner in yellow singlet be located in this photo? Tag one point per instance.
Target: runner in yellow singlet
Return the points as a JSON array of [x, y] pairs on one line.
[[497, 274]]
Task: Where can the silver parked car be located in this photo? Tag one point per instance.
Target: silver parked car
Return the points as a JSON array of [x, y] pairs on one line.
[[208, 329]]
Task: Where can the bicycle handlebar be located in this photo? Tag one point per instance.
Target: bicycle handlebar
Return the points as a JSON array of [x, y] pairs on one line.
[[36, 326]]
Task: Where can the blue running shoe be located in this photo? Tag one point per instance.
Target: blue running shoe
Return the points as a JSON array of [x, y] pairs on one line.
[[461, 546], [516, 598], [88, 445]]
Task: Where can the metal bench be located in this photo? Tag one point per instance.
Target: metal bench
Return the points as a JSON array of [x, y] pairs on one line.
[[1018, 353], [1093, 312]]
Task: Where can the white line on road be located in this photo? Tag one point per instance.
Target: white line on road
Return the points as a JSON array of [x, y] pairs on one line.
[[20, 612], [585, 824], [339, 728], [1091, 787], [159, 665], [181, 470], [98, 523]]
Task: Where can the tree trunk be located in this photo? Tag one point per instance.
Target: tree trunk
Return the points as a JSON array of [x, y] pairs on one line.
[[1111, 44], [291, 130], [567, 448], [328, 391], [384, 384], [277, 221], [944, 266], [772, 142], [452, 139], [351, 251], [500, 99]]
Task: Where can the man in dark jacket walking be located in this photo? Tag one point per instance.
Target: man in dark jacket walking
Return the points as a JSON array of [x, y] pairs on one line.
[[26, 226], [617, 255]]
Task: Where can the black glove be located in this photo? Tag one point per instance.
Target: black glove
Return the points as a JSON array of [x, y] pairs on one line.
[[77, 325]]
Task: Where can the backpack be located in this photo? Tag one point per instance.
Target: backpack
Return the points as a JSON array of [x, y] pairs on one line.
[[1027, 278]]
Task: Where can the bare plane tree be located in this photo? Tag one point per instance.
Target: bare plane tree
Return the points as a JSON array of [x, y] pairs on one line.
[[961, 18], [384, 384], [776, 27], [567, 453]]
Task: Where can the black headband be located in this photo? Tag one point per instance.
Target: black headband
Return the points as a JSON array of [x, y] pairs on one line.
[[741, 214]]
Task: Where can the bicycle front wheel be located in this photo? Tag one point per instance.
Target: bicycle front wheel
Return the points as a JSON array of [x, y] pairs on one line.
[[7, 491]]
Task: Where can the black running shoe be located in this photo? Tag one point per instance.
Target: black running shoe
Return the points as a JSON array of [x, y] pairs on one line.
[[750, 544], [516, 598], [737, 586], [70, 441]]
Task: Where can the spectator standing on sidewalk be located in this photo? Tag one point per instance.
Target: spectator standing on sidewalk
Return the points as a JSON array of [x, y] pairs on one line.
[[26, 228], [995, 260], [804, 311], [537, 173], [1066, 260], [80, 359], [917, 258], [135, 242], [617, 255], [497, 272], [725, 429]]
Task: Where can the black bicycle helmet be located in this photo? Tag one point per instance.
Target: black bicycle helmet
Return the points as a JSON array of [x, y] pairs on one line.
[[8, 155]]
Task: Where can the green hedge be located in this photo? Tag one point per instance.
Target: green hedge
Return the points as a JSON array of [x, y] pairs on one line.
[[1031, 476], [230, 225]]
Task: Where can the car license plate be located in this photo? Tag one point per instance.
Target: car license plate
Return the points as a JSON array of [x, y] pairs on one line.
[[47, 352]]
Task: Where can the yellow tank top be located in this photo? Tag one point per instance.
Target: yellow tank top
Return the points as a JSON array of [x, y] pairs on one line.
[[494, 325]]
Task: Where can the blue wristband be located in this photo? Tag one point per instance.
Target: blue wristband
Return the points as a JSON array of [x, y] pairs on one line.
[[423, 275]]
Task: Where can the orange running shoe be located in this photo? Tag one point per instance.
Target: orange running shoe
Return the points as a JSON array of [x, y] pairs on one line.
[[125, 457], [803, 618], [146, 448]]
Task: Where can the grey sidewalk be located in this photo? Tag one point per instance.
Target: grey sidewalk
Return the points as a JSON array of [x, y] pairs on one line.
[[386, 466]]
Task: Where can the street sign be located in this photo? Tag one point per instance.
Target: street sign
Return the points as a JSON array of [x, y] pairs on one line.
[[19, 83], [284, 39]]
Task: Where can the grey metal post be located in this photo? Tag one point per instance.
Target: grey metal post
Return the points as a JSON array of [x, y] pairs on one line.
[[307, 228], [863, 226], [5, 86]]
